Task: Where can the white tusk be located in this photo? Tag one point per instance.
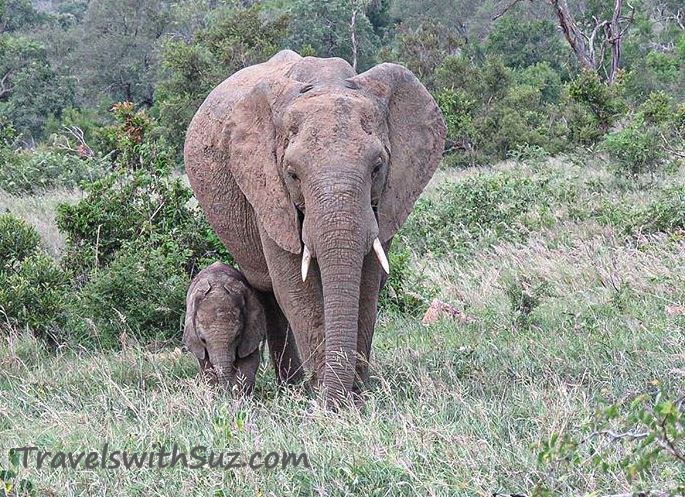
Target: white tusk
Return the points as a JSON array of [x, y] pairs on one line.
[[380, 253], [306, 259]]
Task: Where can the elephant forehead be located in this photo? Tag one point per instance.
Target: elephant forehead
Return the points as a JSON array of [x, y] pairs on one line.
[[219, 304], [338, 112]]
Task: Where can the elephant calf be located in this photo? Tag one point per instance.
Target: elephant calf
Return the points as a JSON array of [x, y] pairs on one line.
[[225, 324]]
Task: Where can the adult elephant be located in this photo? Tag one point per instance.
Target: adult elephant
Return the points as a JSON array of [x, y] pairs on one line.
[[306, 170]]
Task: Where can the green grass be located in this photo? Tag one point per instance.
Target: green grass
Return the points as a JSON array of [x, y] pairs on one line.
[[565, 316]]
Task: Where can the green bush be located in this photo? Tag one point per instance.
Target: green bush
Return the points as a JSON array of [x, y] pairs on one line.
[[33, 288], [406, 291], [18, 239], [34, 294], [543, 77], [141, 293], [33, 171], [491, 110], [664, 213], [138, 201], [647, 143], [474, 212], [519, 119], [638, 435], [133, 241], [134, 206], [657, 109], [592, 107], [134, 141], [458, 109], [637, 149]]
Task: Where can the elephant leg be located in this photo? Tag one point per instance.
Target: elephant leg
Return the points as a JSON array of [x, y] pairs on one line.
[[301, 303], [373, 280], [282, 346]]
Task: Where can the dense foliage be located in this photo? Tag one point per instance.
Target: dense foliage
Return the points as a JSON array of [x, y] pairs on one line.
[[132, 244], [502, 84]]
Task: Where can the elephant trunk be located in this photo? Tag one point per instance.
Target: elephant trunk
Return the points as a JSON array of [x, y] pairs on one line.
[[340, 278], [222, 357], [345, 232]]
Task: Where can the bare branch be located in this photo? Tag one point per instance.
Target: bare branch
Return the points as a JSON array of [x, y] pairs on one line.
[[505, 9], [83, 150], [573, 34], [5, 87], [614, 37], [353, 31]]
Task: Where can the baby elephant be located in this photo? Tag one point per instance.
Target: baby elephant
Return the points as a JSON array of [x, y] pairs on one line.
[[224, 326]]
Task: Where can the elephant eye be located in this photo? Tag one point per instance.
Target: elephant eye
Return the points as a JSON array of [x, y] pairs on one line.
[[378, 165], [293, 175]]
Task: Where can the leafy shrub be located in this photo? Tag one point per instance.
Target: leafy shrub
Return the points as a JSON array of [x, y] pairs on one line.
[[141, 293], [525, 295], [233, 38], [473, 212], [33, 288], [637, 149], [18, 239], [543, 77], [524, 43], [519, 119], [406, 291], [664, 213], [33, 171], [647, 143], [528, 153], [488, 113], [657, 109], [34, 293], [636, 436], [134, 206], [593, 107], [138, 201], [133, 241], [458, 109], [133, 142]]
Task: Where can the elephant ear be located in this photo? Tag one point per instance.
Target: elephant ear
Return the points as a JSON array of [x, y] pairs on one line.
[[254, 330], [191, 337], [416, 132], [251, 138]]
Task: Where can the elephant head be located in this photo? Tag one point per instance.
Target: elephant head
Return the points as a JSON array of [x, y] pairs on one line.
[[225, 323], [332, 163]]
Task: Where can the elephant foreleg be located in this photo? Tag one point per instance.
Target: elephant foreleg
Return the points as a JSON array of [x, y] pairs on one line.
[[373, 280], [282, 346], [301, 303]]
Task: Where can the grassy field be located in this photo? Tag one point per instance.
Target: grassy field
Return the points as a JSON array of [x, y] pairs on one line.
[[566, 289]]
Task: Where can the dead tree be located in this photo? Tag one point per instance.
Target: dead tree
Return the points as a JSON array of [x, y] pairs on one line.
[[353, 36], [82, 149], [605, 33]]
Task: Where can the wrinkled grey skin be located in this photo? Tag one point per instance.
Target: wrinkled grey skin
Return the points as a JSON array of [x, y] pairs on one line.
[[225, 323], [302, 151]]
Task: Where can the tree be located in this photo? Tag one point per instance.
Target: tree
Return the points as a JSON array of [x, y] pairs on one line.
[[16, 14], [522, 43], [116, 57], [325, 27], [609, 28], [424, 48], [30, 90], [233, 39]]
